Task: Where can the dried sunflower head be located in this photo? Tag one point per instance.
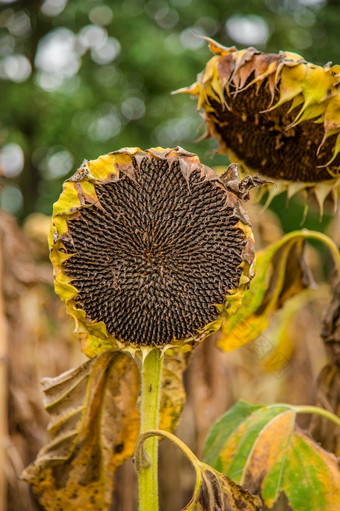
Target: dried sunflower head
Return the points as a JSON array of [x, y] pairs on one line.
[[150, 248], [275, 114]]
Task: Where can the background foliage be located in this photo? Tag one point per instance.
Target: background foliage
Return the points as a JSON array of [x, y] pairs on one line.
[[80, 78]]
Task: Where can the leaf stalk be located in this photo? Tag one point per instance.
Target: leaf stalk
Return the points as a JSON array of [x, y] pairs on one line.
[[323, 238], [319, 411], [196, 463]]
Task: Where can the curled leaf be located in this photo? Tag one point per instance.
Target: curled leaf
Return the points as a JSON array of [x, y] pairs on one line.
[[94, 423], [231, 180], [261, 448], [213, 490], [220, 493]]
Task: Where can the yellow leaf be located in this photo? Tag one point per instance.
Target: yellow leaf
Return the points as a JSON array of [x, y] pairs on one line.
[[172, 393], [332, 115], [291, 83], [280, 273]]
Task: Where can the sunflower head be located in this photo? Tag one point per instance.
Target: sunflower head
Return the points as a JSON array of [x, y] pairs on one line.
[[276, 114], [150, 248]]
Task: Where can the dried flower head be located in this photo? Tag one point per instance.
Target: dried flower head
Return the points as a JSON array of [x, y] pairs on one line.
[[275, 114], [150, 248]]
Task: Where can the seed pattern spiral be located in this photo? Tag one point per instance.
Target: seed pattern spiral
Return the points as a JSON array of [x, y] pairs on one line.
[[260, 139], [156, 254]]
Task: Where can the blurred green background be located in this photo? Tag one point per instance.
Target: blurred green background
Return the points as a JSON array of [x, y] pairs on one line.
[[79, 78]]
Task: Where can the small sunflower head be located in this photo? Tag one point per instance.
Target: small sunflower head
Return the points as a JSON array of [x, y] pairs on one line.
[[276, 114], [149, 248]]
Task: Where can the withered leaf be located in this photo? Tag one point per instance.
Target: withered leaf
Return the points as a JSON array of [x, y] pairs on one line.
[[172, 393], [280, 273], [219, 493], [231, 180], [94, 427], [261, 448]]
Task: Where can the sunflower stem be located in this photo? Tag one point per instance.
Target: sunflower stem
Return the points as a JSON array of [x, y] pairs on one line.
[[151, 390]]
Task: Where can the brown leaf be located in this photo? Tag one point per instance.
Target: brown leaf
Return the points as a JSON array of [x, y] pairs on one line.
[[241, 189], [219, 493], [94, 427]]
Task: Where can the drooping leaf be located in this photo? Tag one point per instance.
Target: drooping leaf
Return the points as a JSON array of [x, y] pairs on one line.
[[284, 335], [213, 490], [280, 273], [94, 424], [261, 448]]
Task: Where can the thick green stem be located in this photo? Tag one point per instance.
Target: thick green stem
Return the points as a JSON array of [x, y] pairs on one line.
[[151, 389]]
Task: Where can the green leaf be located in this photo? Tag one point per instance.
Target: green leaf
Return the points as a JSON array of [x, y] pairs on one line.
[[262, 449], [280, 273], [94, 423]]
